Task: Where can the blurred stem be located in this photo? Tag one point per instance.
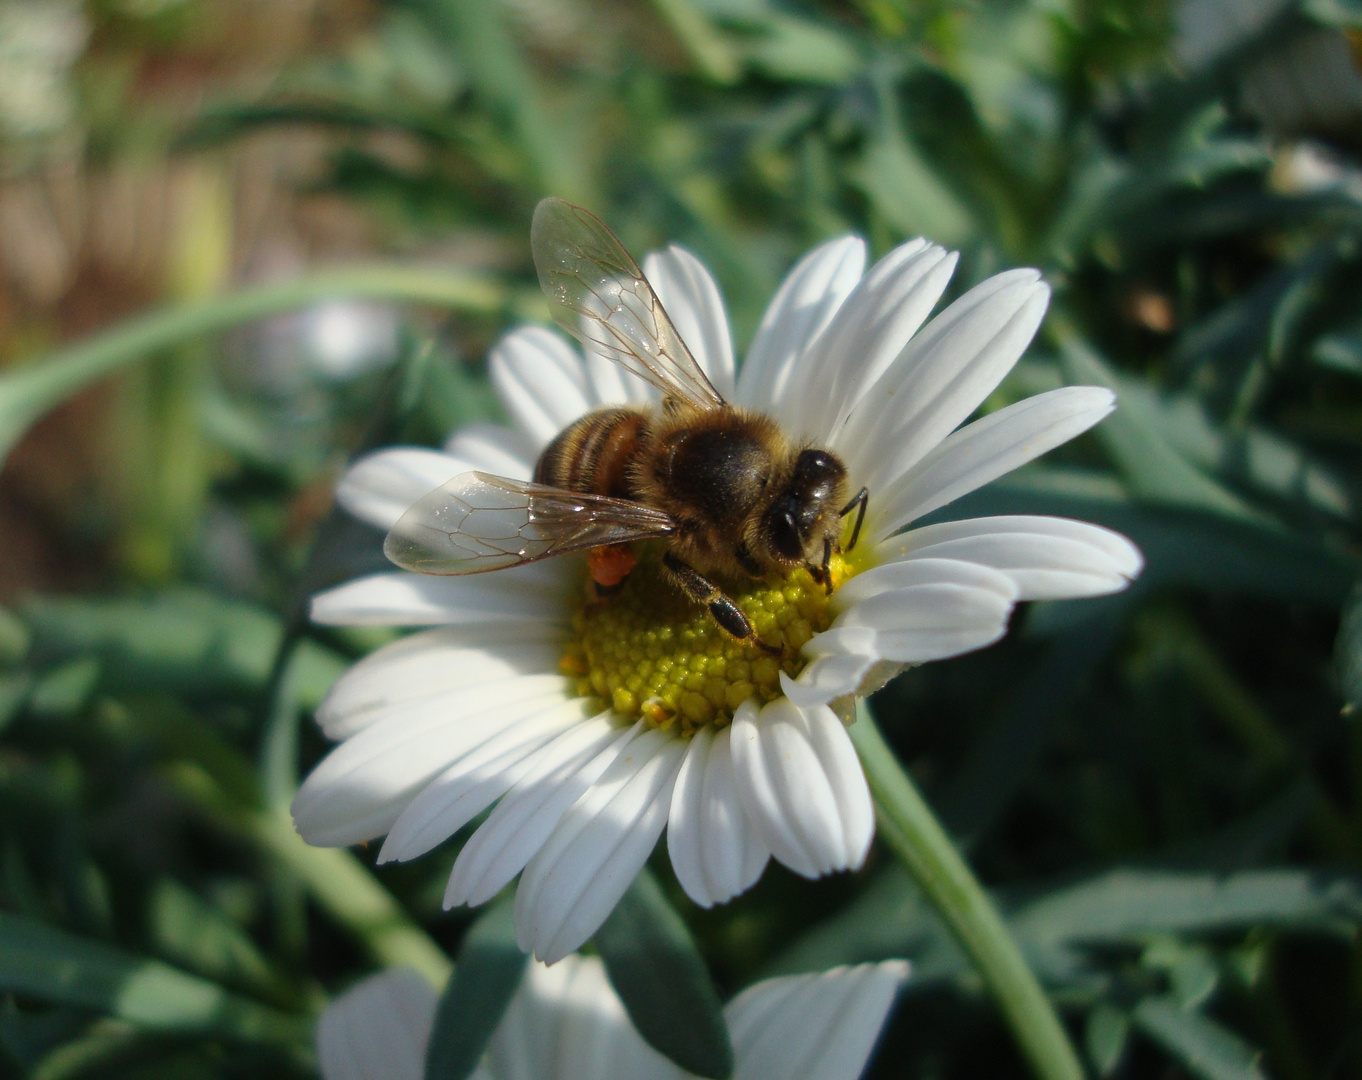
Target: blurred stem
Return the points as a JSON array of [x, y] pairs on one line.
[[701, 38], [27, 393], [335, 879], [353, 897], [908, 826]]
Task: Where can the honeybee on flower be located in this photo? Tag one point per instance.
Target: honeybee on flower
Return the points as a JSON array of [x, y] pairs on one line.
[[699, 682]]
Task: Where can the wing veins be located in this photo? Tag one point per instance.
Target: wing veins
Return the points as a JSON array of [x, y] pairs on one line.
[[578, 257], [499, 522]]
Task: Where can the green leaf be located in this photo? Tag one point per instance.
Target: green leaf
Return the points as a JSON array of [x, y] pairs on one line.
[[889, 918], [1104, 1037], [904, 187], [64, 690], [188, 930], [14, 691], [1056, 931], [788, 47], [29, 391], [1203, 1046], [1348, 650], [1339, 352], [43, 962], [1130, 906], [1134, 437], [1002, 761], [501, 72], [487, 971], [14, 637], [1251, 456], [655, 968], [183, 640], [1345, 14], [710, 49], [1191, 970]]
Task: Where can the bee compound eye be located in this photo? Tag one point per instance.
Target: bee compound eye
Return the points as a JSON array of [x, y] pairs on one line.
[[783, 531]]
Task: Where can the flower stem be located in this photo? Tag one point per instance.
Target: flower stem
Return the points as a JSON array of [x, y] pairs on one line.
[[353, 897], [339, 883], [908, 825], [29, 391]]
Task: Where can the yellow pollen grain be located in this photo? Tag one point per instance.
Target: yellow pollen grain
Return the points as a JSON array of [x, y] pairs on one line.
[[649, 650]]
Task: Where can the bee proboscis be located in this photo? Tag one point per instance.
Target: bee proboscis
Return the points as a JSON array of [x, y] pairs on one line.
[[722, 485]]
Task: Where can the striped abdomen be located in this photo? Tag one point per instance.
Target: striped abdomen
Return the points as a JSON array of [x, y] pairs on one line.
[[593, 454]]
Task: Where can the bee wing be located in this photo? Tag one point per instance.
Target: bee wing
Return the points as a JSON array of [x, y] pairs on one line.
[[478, 522], [598, 294]]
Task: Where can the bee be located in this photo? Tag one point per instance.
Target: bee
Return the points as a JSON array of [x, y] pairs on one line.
[[723, 486]]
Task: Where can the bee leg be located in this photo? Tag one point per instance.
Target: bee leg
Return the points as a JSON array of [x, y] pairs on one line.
[[724, 611], [825, 578], [858, 503]]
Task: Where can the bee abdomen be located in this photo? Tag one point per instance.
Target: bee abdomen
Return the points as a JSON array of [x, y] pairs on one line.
[[593, 454]]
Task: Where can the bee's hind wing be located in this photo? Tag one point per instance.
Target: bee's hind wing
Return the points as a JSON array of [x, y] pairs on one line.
[[598, 294], [478, 522]]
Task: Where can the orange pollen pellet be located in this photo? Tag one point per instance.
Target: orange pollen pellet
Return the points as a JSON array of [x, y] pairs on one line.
[[611, 565]]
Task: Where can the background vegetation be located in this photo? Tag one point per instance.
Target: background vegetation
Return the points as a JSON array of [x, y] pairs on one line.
[[1164, 789]]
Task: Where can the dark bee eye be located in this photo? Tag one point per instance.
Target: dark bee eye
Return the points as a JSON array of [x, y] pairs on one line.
[[783, 530], [816, 473]]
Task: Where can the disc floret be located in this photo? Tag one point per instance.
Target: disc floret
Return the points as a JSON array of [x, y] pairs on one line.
[[648, 650]]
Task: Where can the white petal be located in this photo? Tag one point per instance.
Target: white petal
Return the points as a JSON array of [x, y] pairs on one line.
[[524, 1044], [475, 781], [802, 785], [806, 301], [567, 1023], [927, 609], [1048, 558], [696, 307], [402, 598], [494, 449], [839, 660], [433, 662], [541, 381], [926, 572], [986, 449], [380, 487], [358, 790], [877, 321], [942, 376], [598, 848], [555, 778], [714, 848], [812, 1027], [596, 1040], [378, 1029]]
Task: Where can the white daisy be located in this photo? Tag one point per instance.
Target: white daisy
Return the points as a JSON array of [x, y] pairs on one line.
[[591, 727], [567, 1023]]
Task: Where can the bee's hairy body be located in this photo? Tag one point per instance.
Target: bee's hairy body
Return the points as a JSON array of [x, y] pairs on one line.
[[721, 486], [744, 502]]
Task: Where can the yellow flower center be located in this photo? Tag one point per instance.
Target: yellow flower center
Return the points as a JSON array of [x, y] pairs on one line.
[[648, 650]]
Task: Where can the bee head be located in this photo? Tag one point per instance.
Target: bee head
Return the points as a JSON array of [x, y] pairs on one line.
[[799, 516]]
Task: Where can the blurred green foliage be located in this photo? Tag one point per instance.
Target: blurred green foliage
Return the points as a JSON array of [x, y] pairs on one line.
[[1164, 788]]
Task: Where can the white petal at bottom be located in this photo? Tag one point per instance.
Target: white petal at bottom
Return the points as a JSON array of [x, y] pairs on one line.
[[597, 849], [715, 850], [378, 1029], [802, 785], [812, 1027]]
